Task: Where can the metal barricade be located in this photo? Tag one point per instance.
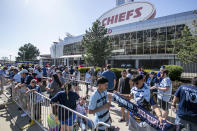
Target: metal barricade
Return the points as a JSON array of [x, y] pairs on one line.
[[166, 106], [82, 88], [50, 116]]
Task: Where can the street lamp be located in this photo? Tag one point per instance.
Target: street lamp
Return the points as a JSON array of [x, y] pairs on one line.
[[23, 55], [10, 58]]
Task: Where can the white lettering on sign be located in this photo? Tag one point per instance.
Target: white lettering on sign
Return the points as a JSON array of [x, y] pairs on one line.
[[128, 13]]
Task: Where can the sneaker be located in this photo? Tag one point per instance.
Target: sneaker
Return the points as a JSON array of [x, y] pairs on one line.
[[23, 115]]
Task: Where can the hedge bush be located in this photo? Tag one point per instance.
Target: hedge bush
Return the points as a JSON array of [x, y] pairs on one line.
[[117, 71], [83, 69], [175, 71]]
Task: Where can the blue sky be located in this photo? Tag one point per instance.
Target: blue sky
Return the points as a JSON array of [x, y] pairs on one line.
[[41, 22]]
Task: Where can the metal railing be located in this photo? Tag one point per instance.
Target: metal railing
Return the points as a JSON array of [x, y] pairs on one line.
[[50, 116]]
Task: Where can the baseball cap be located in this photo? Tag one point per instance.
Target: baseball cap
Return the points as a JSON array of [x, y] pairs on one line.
[[152, 72], [24, 71]]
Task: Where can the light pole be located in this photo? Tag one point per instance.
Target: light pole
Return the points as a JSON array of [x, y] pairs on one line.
[[23, 55], [10, 58]]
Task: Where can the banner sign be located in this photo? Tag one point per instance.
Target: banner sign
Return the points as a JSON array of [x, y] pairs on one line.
[[128, 13], [142, 113]]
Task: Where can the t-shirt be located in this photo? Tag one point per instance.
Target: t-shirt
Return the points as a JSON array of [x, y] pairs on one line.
[[141, 95], [63, 81], [124, 85], [28, 79], [110, 76], [44, 69], [54, 85], [81, 109], [165, 95], [187, 107], [2, 72], [152, 81], [71, 71], [98, 100], [77, 75], [66, 75], [39, 74], [129, 75], [87, 77], [17, 77], [61, 97]]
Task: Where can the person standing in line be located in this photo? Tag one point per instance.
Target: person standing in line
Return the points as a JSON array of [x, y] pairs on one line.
[[59, 73], [99, 104], [44, 70], [36, 114], [71, 70], [66, 74], [129, 75], [124, 87], [159, 74], [88, 81], [111, 77], [2, 80], [186, 97], [76, 78], [164, 92], [69, 99], [99, 73], [17, 76], [152, 81], [54, 86], [140, 92], [93, 74], [39, 73]]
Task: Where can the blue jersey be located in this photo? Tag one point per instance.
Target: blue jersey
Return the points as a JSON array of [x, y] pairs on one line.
[[97, 100], [61, 97], [110, 76], [187, 107]]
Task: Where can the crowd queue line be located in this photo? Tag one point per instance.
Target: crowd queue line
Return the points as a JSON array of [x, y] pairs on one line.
[[63, 86]]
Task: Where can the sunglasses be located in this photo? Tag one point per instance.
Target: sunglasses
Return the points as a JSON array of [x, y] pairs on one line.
[[136, 83]]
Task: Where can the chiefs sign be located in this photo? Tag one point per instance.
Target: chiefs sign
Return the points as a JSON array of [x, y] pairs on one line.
[[128, 13]]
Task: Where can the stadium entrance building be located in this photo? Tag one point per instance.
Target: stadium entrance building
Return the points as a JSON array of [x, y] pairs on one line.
[[138, 39]]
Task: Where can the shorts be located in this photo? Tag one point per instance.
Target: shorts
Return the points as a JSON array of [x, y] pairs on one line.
[[163, 104], [69, 121]]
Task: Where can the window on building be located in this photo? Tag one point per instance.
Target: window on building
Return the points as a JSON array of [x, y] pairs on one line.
[[154, 49], [161, 47], [147, 47], [140, 37]]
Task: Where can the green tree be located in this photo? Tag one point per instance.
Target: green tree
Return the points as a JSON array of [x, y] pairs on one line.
[[28, 52], [186, 46], [96, 45]]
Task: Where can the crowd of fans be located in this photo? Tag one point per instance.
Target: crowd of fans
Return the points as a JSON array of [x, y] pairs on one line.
[[151, 91]]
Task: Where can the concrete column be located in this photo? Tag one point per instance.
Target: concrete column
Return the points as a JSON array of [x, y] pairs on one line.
[[67, 61], [64, 61], [136, 63]]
